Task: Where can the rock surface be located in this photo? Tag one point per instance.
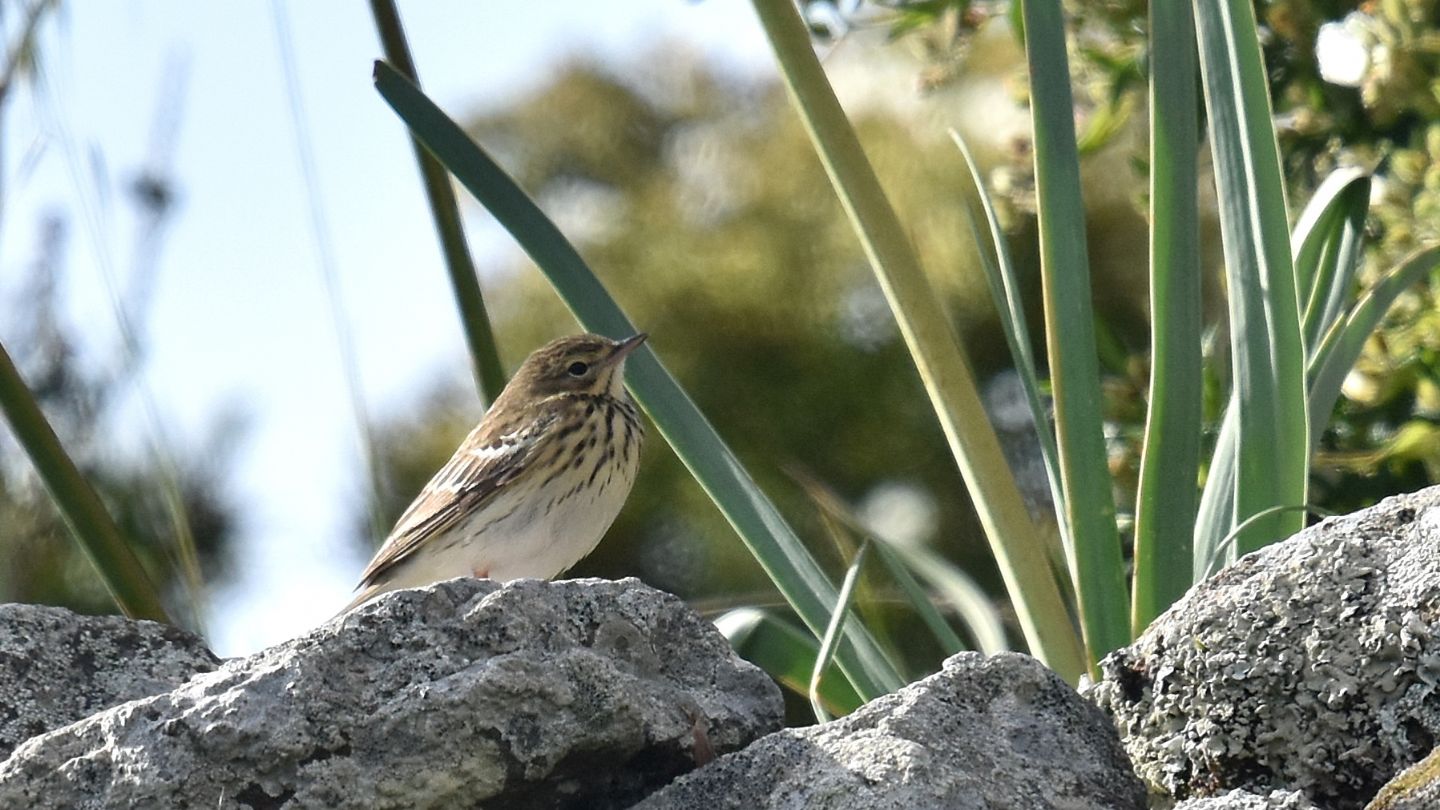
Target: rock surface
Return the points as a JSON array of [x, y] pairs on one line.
[[1244, 800], [999, 732], [57, 667], [1311, 665], [1416, 788], [584, 693]]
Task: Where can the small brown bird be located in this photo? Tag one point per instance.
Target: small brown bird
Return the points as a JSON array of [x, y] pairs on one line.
[[534, 486]]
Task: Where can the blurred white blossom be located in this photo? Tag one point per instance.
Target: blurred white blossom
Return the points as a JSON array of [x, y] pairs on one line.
[[1343, 50], [900, 513]]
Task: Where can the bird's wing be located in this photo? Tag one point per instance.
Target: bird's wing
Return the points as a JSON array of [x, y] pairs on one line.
[[478, 470]]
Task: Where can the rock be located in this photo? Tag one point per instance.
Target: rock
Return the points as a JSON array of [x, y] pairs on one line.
[[57, 666], [1000, 732], [585, 694], [1416, 788], [1244, 800], [1311, 665]]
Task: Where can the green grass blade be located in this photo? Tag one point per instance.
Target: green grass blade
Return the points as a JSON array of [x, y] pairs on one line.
[[1330, 362], [785, 653], [1229, 539], [1004, 284], [1338, 274], [444, 210], [1167, 493], [1272, 447], [1099, 573], [1327, 242], [1216, 517], [774, 544], [832, 632], [81, 508], [1328, 228], [969, 601], [840, 518], [945, 635], [971, 605], [930, 337], [1319, 214], [1336, 355]]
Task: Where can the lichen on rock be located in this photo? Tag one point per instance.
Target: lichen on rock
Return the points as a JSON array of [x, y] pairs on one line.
[[1311, 665]]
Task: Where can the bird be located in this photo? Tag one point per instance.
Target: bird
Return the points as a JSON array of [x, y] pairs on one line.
[[534, 486]]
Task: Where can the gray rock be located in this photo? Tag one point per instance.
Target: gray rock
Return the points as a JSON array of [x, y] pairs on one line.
[[583, 694], [1244, 800], [57, 666], [1000, 732], [1311, 665]]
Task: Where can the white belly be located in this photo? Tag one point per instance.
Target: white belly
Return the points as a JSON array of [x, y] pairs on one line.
[[542, 536]]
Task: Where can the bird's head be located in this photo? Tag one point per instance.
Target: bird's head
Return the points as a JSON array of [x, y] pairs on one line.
[[587, 364]]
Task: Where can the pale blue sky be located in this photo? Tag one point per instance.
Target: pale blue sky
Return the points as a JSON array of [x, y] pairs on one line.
[[240, 313]]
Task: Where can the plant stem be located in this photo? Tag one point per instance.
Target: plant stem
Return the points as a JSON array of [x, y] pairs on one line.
[[464, 283]]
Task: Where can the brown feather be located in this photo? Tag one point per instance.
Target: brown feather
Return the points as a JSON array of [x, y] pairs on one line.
[[463, 485], [514, 434]]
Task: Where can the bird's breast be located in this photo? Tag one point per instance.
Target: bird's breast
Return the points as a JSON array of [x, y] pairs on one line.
[[544, 531]]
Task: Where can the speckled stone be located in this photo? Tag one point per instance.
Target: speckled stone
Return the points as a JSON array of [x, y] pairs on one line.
[[1312, 665], [1244, 800], [57, 666], [997, 732], [463, 694]]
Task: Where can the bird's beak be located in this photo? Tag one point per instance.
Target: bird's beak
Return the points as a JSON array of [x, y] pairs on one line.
[[626, 346]]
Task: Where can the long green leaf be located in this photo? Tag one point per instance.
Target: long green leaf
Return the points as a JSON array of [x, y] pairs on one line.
[[757, 521], [828, 641], [1214, 521], [1099, 573], [945, 635], [1004, 283], [1166, 496], [1338, 271], [840, 519], [1336, 355], [1272, 444], [931, 339], [1316, 222], [1326, 244], [969, 601], [1229, 539], [81, 508], [1330, 361], [785, 653], [444, 210]]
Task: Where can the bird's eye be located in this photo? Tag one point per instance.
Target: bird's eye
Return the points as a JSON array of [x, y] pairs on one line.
[[578, 369]]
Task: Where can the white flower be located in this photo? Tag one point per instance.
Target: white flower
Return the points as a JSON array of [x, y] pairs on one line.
[[1343, 50]]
